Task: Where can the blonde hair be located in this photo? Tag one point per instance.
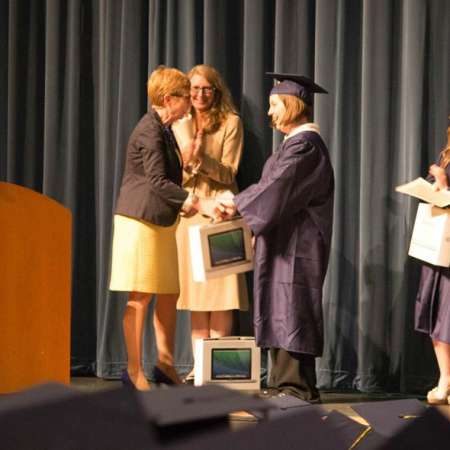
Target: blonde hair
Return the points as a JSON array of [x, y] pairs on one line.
[[296, 109], [222, 104], [166, 81], [445, 153]]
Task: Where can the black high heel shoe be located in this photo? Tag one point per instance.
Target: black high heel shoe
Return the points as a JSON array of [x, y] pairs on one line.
[[126, 380], [161, 378]]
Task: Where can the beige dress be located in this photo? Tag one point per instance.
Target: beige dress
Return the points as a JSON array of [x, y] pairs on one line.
[[222, 154]]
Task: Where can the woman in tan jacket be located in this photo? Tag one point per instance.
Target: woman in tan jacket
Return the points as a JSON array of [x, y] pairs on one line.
[[209, 173]]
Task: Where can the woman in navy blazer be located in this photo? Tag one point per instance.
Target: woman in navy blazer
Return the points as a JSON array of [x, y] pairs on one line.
[[144, 257]]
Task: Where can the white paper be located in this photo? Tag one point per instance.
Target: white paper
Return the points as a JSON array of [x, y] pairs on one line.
[[422, 189]]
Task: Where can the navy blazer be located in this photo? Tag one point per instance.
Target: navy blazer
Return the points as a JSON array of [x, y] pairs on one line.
[[151, 185]]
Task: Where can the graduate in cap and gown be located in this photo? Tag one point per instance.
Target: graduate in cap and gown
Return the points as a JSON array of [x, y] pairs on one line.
[[290, 212]]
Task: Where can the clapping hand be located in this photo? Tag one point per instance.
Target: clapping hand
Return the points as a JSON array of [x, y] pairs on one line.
[[197, 151], [192, 152]]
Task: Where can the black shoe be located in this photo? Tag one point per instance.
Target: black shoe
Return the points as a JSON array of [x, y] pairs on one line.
[[161, 378], [312, 397], [126, 380]]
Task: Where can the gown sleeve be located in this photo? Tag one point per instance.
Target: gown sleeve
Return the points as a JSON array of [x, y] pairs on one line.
[[294, 180]]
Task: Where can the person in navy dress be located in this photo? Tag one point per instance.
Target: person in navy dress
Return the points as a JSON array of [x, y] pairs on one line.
[[432, 309], [290, 212]]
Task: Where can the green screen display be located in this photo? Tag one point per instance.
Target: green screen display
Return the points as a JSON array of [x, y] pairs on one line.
[[227, 247], [231, 364]]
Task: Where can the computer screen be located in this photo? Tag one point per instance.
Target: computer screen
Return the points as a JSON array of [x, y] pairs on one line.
[[226, 247], [231, 364]]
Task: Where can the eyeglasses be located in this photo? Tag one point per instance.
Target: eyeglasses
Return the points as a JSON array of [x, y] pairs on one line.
[[185, 96], [208, 90]]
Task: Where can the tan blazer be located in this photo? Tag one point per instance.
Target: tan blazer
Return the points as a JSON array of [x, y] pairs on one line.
[[222, 154]]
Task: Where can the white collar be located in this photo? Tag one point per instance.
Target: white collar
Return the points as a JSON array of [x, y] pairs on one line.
[[310, 126]]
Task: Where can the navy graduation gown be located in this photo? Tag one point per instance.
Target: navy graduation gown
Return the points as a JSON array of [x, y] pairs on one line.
[[290, 212]]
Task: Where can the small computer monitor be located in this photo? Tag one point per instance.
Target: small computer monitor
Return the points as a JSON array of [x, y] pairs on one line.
[[226, 247], [231, 364], [232, 361], [220, 249]]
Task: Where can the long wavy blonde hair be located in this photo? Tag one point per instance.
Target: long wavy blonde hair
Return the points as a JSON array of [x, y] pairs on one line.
[[445, 153], [222, 104]]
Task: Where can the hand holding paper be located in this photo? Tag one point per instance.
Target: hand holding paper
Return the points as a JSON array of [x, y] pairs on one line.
[[218, 208], [440, 176], [225, 207]]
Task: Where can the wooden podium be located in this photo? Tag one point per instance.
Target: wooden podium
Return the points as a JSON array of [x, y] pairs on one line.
[[35, 289]]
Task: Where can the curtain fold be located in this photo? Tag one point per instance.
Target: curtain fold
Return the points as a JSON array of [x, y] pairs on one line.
[[4, 43], [25, 94], [338, 48], [73, 85], [121, 71], [293, 41]]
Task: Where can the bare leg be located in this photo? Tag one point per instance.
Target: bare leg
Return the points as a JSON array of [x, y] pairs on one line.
[[207, 324], [164, 322], [442, 351], [199, 325], [133, 325], [199, 330], [221, 323]]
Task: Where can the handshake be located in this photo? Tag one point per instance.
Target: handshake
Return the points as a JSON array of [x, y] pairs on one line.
[[218, 208]]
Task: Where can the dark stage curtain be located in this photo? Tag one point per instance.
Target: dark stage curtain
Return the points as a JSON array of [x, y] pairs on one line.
[[72, 86]]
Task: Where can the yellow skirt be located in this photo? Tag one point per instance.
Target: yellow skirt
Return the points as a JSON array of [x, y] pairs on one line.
[[144, 257]]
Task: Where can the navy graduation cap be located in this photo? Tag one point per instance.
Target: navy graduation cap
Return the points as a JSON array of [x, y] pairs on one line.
[[296, 85], [391, 416]]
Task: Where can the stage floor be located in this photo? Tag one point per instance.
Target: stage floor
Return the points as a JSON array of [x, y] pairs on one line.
[[337, 401]]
